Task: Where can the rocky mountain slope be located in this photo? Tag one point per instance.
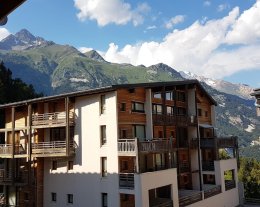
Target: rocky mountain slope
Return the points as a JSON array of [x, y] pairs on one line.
[[53, 69], [241, 90]]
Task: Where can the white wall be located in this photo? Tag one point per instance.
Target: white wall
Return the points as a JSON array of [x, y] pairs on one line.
[[150, 180], [85, 181]]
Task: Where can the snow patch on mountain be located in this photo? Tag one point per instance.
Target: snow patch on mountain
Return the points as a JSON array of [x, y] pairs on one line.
[[250, 128]]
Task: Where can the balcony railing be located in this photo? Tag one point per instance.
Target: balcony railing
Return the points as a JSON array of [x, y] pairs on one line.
[[126, 180], [189, 199], [161, 202], [220, 142], [56, 118], [128, 146], [53, 148], [156, 145], [208, 165], [229, 184], [212, 191], [6, 150]]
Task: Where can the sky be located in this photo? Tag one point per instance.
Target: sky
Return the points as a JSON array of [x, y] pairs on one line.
[[218, 39]]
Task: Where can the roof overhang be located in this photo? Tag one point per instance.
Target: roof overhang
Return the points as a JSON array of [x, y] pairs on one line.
[[7, 6]]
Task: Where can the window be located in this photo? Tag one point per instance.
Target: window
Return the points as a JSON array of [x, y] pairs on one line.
[[104, 199], [54, 165], [181, 111], [70, 165], [53, 197], [206, 114], [103, 166], [170, 110], [123, 133], [181, 96], [199, 112], [169, 95], [103, 135], [138, 107], [157, 95], [70, 198], [102, 104], [123, 107], [139, 131], [157, 109]]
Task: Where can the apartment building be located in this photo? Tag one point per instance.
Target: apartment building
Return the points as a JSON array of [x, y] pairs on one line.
[[133, 145], [256, 94]]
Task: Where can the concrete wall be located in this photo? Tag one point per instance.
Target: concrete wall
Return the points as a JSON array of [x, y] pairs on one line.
[[150, 180], [85, 181]]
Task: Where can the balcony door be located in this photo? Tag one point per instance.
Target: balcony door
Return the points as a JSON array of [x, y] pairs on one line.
[[139, 132]]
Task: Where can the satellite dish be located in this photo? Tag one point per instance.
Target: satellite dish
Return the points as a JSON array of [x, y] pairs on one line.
[[3, 21]]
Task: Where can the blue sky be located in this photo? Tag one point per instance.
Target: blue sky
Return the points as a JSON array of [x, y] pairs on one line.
[[217, 39]]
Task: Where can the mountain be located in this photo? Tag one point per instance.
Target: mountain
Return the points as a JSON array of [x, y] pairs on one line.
[[22, 40], [241, 90], [94, 55], [52, 69]]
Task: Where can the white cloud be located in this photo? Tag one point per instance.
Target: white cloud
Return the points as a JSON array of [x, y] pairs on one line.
[[247, 28], [222, 7], [213, 48], [85, 49], [4, 33], [207, 3], [110, 11], [174, 20], [151, 27]]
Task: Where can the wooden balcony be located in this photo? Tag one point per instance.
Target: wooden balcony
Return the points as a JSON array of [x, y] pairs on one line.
[[6, 151], [126, 181], [219, 142], [52, 149], [156, 145], [133, 146], [52, 119]]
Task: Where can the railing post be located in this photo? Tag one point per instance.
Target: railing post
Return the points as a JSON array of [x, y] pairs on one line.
[[136, 155]]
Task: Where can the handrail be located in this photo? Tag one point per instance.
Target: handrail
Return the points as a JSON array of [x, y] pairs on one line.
[[7, 149], [189, 199], [212, 191], [51, 118], [126, 180], [50, 147]]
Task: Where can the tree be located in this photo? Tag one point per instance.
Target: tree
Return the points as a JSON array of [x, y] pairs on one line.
[[249, 174]]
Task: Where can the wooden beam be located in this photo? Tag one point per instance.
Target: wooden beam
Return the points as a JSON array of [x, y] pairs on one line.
[[29, 132], [67, 111], [7, 6]]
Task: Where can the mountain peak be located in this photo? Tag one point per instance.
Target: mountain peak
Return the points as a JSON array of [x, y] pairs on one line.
[[94, 55], [25, 36], [22, 40]]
